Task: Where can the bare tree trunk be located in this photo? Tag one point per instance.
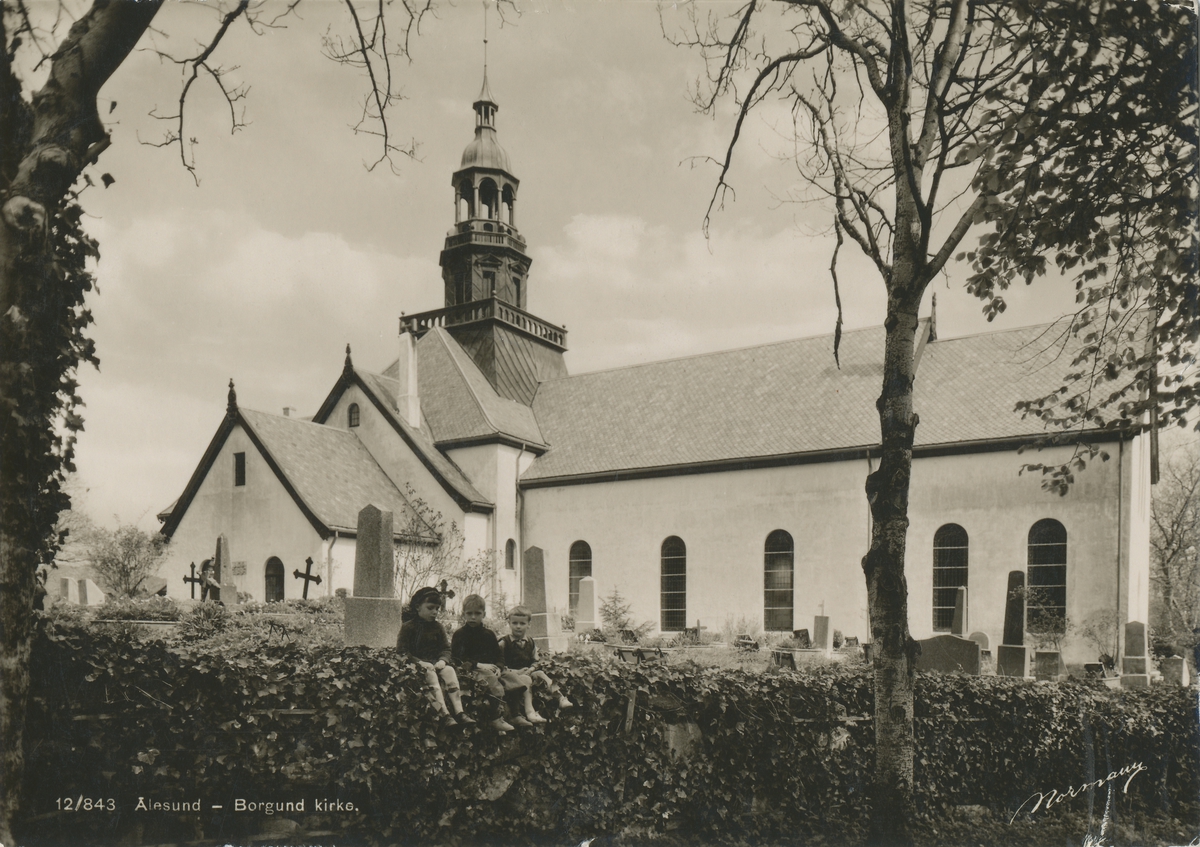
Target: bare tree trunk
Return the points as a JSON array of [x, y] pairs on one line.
[[887, 589], [45, 147]]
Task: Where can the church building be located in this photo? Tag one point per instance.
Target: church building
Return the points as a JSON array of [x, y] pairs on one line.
[[715, 489]]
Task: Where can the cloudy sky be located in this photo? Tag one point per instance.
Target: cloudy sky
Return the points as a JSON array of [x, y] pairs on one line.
[[290, 248]]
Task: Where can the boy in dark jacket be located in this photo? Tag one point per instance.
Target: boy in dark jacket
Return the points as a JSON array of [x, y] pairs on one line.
[[423, 641], [519, 653], [475, 649]]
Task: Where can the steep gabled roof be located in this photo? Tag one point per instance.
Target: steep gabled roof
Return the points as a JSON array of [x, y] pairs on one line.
[[460, 404], [327, 471], [786, 401], [381, 390]]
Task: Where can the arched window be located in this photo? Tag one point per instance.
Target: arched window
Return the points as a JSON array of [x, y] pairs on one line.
[[673, 585], [274, 581], [779, 555], [949, 572], [510, 555], [580, 562], [1046, 597], [352, 415]]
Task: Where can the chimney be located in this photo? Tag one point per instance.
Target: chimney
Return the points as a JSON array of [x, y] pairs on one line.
[[406, 395], [287, 411]]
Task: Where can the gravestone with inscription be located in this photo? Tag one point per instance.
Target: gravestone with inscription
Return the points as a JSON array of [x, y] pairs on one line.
[[223, 572], [948, 654], [1011, 656], [90, 593], [373, 613], [545, 633], [1135, 672]]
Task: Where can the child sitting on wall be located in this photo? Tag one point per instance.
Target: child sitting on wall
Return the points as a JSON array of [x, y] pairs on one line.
[[519, 653], [423, 641], [474, 648]]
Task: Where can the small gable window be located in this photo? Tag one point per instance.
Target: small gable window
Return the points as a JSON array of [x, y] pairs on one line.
[[274, 581], [580, 562], [352, 415], [510, 555], [239, 468]]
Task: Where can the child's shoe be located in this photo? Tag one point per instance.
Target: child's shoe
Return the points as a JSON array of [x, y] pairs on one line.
[[564, 703], [464, 719], [519, 720], [501, 725], [535, 718]]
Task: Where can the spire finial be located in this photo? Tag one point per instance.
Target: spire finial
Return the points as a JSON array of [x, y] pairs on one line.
[[485, 17], [349, 364], [231, 406]]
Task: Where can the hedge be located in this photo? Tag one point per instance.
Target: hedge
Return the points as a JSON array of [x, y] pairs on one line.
[[705, 754]]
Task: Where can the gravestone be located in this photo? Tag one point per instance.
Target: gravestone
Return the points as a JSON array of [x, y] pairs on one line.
[[533, 594], [373, 613], [68, 589], [948, 654], [820, 638], [1174, 671], [802, 639], [223, 572], [1011, 657], [981, 638], [958, 626], [585, 610], [90, 593], [1048, 665], [1135, 664]]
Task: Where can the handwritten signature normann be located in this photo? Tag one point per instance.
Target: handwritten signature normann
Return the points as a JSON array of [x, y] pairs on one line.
[[1049, 798]]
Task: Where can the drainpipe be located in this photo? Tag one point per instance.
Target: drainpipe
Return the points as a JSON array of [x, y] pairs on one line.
[[329, 564], [518, 565], [1121, 617]]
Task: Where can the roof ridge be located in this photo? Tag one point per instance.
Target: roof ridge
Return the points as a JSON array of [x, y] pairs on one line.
[[290, 418], [942, 340], [715, 353]]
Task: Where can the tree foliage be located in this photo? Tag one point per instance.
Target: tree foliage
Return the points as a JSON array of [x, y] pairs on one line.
[[432, 552], [1175, 549], [916, 122], [126, 557]]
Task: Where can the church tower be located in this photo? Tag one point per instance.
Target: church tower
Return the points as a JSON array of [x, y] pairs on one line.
[[485, 272]]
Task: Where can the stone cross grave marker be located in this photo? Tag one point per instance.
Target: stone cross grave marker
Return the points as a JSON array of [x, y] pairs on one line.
[[193, 579], [373, 613], [1011, 659], [307, 576]]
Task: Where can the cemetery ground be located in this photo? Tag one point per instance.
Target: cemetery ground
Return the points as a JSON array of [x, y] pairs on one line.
[[255, 725]]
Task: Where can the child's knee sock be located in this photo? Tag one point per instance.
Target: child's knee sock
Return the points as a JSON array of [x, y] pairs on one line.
[[455, 698], [528, 702], [435, 695]]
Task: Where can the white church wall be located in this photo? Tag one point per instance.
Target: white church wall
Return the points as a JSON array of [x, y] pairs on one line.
[[985, 494], [492, 468], [723, 519], [260, 519]]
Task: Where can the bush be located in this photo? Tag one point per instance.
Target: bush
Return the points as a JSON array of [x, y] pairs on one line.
[[204, 621], [774, 753], [138, 609]]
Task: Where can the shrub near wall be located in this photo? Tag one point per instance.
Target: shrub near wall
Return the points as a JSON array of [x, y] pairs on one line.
[[772, 756]]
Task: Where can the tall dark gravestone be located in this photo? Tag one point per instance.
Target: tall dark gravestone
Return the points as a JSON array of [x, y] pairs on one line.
[[533, 594], [959, 624], [1134, 663], [373, 613], [1011, 657]]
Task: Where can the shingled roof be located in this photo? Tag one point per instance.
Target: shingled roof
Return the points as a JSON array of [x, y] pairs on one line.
[[787, 399], [459, 403], [330, 470]]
